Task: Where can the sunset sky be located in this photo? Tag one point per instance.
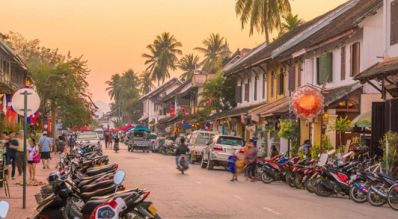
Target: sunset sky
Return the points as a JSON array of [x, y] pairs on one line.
[[112, 34]]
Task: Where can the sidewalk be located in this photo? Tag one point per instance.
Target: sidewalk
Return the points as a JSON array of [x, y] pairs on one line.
[[16, 210]]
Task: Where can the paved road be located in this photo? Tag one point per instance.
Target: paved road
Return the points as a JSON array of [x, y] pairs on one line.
[[210, 195]]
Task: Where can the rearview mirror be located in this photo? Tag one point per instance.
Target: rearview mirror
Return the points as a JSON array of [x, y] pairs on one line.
[[4, 207], [119, 177]]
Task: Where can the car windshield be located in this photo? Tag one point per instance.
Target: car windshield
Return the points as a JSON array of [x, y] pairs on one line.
[[87, 136], [203, 138], [230, 141], [139, 134]]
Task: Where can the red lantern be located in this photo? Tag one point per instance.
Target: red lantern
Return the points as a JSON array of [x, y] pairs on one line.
[[307, 103]]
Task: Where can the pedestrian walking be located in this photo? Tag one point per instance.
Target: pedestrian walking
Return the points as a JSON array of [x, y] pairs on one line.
[[116, 144], [17, 154], [45, 149], [106, 138], [232, 159], [33, 159], [61, 145], [307, 148], [252, 158], [71, 142]]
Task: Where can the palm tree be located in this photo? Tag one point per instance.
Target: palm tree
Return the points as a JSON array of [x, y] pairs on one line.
[[162, 56], [114, 90], [188, 65], [146, 83], [262, 15], [290, 22], [215, 50]]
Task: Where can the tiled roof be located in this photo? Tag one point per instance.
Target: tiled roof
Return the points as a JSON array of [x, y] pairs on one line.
[[381, 69], [161, 88]]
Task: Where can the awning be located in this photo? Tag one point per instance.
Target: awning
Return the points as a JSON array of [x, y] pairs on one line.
[[275, 108], [386, 72], [170, 120], [235, 112], [333, 95]]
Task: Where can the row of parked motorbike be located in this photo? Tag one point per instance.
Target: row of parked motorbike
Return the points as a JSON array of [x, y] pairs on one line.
[[361, 179], [86, 186]]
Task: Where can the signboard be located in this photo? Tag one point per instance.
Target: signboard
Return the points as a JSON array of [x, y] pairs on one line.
[[33, 101]]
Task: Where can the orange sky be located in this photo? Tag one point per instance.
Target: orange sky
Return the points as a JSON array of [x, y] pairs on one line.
[[112, 34]]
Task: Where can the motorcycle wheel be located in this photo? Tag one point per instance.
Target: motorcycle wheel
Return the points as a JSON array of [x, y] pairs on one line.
[[203, 164], [392, 197], [266, 178], [309, 185], [297, 181], [375, 199], [357, 195], [320, 190], [290, 179]]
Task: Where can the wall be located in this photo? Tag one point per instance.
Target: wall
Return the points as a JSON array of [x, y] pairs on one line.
[[372, 47], [390, 50], [252, 78]]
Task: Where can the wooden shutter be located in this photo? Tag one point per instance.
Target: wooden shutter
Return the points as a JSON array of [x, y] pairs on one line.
[[325, 68], [255, 87], [247, 91], [378, 125], [355, 59], [394, 22], [343, 65], [238, 94], [272, 83], [292, 77]]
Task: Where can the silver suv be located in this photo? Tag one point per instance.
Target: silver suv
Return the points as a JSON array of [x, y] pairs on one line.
[[219, 149]]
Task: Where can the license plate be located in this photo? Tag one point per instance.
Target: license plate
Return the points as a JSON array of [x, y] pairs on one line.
[[152, 210]]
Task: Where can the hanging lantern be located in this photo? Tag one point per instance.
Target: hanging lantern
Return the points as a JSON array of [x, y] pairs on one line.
[[307, 103]]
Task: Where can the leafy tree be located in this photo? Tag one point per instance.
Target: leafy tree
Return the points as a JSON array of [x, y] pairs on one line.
[[188, 65], [215, 49], [289, 130], [290, 22], [146, 83], [392, 138], [342, 124], [124, 91], [264, 16], [216, 93], [162, 56], [59, 79]]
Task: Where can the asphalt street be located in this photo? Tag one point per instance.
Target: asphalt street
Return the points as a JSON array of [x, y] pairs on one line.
[[201, 193]]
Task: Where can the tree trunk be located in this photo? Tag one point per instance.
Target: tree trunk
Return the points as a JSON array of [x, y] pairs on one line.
[[266, 37], [53, 125]]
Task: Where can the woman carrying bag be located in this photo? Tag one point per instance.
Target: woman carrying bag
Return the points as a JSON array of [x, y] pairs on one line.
[[33, 159]]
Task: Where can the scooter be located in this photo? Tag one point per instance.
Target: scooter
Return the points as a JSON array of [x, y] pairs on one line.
[[182, 163]]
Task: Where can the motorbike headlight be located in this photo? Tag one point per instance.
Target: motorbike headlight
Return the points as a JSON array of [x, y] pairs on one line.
[[105, 213]]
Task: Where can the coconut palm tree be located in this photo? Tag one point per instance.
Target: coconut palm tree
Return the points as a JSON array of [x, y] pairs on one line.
[[215, 50], [162, 57], [114, 90], [188, 65], [264, 16], [289, 23], [146, 84]]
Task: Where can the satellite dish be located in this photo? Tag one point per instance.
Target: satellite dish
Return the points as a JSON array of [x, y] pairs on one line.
[[18, 101]]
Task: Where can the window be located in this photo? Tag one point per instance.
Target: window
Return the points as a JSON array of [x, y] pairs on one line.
[[238, 93], [272, 83], [264, 84], [343, 67], [324, 66], [281, 83], [355, 59], [247, 91], [255, 88], [394, 23]]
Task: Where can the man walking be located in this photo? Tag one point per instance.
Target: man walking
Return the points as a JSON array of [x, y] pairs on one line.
[[20, 153], [12, 153], [45, 145]]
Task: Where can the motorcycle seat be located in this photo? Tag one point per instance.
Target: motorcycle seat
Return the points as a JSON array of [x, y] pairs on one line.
[[93, 186], [82, 183], [104, 169], [90, 205], [99, 192]]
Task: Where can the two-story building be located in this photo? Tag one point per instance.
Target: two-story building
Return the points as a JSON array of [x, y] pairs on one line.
[[13, 75], [383, 76]]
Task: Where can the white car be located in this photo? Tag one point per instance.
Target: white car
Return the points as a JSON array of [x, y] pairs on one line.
[[87, 138], [219, 149]]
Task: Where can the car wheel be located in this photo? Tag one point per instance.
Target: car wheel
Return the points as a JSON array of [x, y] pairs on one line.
[[203, 164], [210, 164]]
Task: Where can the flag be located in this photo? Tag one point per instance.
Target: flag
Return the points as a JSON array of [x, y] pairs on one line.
[[10, 113]]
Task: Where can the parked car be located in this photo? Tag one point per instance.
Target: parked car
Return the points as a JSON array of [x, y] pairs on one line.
[[88, 137], [138, 139], [197, 143], [218, 150]]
